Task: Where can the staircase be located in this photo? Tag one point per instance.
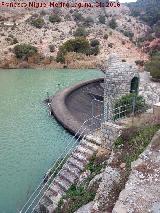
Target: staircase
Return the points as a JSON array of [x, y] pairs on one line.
[[69, 174]]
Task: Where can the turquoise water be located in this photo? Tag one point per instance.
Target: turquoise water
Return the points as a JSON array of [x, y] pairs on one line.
[[30, 140]]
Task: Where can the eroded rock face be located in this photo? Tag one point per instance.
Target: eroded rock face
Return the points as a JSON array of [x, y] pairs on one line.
[[149, 89], [110, 178], [142, 191], [94, 183]]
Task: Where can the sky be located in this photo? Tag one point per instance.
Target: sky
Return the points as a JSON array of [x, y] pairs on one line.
[[123, 1]]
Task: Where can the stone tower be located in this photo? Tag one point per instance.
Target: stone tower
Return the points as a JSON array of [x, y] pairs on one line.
[[120, 79]]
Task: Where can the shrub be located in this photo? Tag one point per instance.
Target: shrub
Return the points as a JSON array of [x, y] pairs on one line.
[[55, 18], [60, 57], [134, 141], [38, 23], [93, 50], [88, 21], [140, 62], [43, 13], [154, 67], [78, 16], [150, 37], [75, 197], [68, 17], [128, 34], [105, 36], [113, 24], [24, 51], [157, 31], [78, 45], [14, 41], [94, 42], [80, 32], [102, 19], [51, 48], [126, 105], [10, 36], [110, 45]]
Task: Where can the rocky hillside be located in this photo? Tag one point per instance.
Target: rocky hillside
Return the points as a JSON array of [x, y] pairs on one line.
[[148, 12], [47, 30]]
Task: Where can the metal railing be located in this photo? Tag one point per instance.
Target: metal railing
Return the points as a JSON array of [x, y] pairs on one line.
[[30, 205]]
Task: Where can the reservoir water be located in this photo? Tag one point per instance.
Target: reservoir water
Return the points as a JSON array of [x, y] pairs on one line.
[[30, 140]]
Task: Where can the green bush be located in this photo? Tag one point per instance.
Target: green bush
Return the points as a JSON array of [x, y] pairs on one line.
[[78, 16], [154, 67], [134, 141], [78, 45], [24, 51], [60, 57], [113, 24], [76, 196], [80, 32], [38, 23], [102, 19], [55, 18], [88, 21], [110, 45], [94, 42], [105, 36], [51, 48], [128, 34], [149, 37], [68, 17], [14, 41], [139, 62], [93, 50], [157, 30], [124, 106]]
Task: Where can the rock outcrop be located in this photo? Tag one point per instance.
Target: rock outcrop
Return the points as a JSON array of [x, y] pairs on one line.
[[141, 193]]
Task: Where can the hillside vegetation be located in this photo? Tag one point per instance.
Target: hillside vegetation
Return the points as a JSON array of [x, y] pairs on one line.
[[149, 11], [55, 34]]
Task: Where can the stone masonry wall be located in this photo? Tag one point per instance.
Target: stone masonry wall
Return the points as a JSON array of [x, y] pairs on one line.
[[110, 132]]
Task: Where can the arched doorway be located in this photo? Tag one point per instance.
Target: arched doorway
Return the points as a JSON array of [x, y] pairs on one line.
[[134, 85]]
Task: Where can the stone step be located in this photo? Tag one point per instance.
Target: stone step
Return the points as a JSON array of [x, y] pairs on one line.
[[47, 200], [56, 189], [94, 139], [62, 183], [76, 163], [72, 170], [80, 157], [51, 208], [68, 176], [44, 205], [52, 198], [47, 209], [84, 150], [89, 145]]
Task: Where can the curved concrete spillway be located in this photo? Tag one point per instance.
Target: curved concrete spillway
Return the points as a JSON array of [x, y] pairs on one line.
[[73, 105]]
